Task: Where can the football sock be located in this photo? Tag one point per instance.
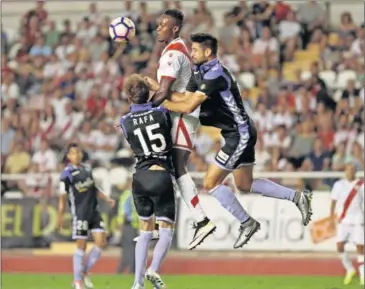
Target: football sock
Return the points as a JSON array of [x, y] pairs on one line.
[[270, 189], [228, 200], [189, 193], [360, 263], [78, 264], [93, 257], [141, 256], [346, 262], [162, 247]]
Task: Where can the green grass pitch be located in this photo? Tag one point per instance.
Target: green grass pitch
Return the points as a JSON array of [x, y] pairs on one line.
[[58, 281]]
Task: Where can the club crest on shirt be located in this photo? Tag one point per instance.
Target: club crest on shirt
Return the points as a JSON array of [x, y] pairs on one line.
[[203, 86]]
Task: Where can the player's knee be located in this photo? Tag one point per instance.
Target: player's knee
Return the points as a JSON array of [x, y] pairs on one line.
[[147, 225], [81, 244], [210, 183], [244, 188], [166, 225]]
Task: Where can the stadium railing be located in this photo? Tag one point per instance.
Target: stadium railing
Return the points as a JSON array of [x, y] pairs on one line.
[[107, 179]]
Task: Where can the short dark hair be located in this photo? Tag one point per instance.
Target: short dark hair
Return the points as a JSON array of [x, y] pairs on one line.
[[72, 145], [136, 89], [177, 15], [206, 40]]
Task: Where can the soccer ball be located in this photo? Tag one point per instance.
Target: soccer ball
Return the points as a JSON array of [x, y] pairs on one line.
[[122, 29]]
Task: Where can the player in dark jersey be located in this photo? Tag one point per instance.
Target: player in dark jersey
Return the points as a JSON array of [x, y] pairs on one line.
[[147, 129], [78, 187], [222, 107]]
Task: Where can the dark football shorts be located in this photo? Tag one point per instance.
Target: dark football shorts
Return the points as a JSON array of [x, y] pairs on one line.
[[82, 225], [153, 193], [239, 148]]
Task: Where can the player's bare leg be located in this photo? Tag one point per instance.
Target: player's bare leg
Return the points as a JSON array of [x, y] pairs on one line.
[[213, 184], [360, 262], [244, 181], [78, 263], [346, 262], [99, 237], [166, 229], [203, 226]]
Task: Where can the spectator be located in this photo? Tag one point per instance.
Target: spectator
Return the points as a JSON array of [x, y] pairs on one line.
[[229, 33], [356, 156], [48, 122], [39, 12], [281, 10], [262, 13], [289, 32], [35, 183], [357, 47], [94, 14], [105, 142], [319, 157], [265, 48], [7, 136], [339, 157], [9, 87], [40, 48], [347, 25], [262, 156], [52, 35], [87, 31], [45, 158], [18, 160]]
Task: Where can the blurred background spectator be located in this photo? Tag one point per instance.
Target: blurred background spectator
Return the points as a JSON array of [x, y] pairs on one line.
[[302, 80]]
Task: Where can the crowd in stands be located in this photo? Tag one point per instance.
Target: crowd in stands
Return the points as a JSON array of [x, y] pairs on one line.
[[302, 82]]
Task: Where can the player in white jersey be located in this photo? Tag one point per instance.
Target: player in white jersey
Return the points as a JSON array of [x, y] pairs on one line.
[[347, 209]]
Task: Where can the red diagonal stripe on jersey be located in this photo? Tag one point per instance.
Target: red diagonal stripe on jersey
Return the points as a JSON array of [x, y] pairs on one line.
[[194, 201], [350, 198], [181, 127], [178, 46]]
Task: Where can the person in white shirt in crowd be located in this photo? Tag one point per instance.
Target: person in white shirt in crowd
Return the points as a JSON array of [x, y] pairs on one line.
[[357, 47], [68, 124], [266, 44], [289, 32], [105, 142], [9, 88], [46, 158], [86, 31], [347, 210]]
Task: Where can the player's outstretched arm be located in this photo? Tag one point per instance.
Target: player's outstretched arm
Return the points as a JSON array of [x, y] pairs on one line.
[[188, 105]]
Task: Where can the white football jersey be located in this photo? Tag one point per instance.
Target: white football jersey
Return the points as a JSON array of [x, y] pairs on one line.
[[349, 197], [175, 63]]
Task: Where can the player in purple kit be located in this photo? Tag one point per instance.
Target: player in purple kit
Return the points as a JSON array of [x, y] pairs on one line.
[[222, 107], [78, 187]]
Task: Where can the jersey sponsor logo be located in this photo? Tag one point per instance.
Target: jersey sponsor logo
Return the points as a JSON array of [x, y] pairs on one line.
[[196, 72], [222, 156], [83, 186], [75, 173]]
